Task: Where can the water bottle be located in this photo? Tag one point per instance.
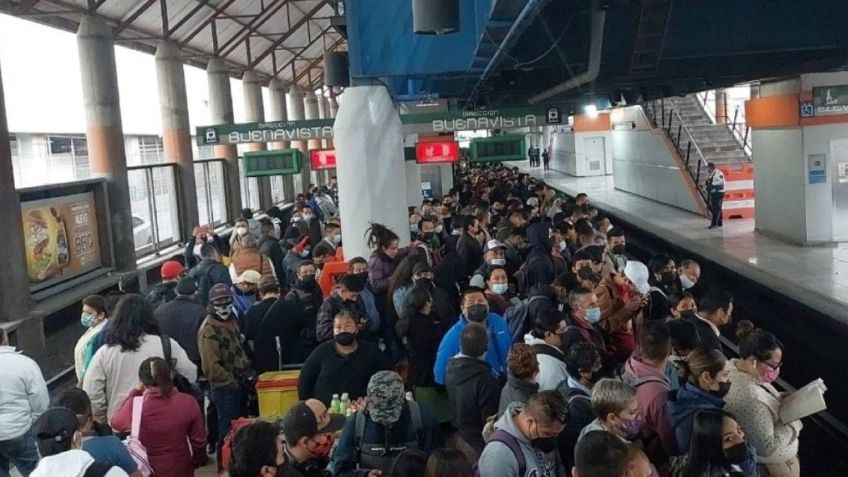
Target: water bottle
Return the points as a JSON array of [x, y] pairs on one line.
[[345, 404], [335, 404]]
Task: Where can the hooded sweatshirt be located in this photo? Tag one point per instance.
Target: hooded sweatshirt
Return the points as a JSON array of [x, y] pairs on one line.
[[681, 407], [72, 463], [474, 395], [551, 363], [497, 460], [539, 267], [651, 393]]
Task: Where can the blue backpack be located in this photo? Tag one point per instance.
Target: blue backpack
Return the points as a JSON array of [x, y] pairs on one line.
[[516, 318]]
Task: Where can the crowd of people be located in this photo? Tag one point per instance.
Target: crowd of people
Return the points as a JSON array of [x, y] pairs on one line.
[[512, 334]]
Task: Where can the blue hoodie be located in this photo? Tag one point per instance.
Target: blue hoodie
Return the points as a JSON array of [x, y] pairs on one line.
[[681, 407], [499, 342]]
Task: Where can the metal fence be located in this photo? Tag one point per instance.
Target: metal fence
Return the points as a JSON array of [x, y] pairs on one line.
[[153, 202], [211, 192]]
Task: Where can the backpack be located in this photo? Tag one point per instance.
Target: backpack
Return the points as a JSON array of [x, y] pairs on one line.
[[511, 442], [180, 382], [517, 316], [98, 468], [392, 453], [521, 275], [136, 449]]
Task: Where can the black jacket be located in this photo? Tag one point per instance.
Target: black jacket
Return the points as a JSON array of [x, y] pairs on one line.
[[423, 335], [326, 372], [328, 311], [269, 319], [580, 414], [208, 273], [706, 336], [538, 267], [546, 304], [516, 390], [271, 248], [180, 319], [474, 394], [309, 298], [470, 252], [162, 292]]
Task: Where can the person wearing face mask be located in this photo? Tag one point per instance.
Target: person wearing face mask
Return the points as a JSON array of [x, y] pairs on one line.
[[258, 450], [565, 236], [199, 236], [298, 253], [244, 294], [615, 254], [620, 303], [680, 305], [341, 365], [313, 224], [310, 431], [431, 241], [494, 255], [663, 281], [358, 267], [345, 296], [241, 230], [585, 315], [583, 364], [617, 411], [374, 436], [645, 371], [333, 235], [704, 384], [475, 309], [93, 318], [688, 273], [756, 402], [307, 295], [209, 272], [546, 338], [718, 448], [269, 246], [526, 434], [497, 290], [684, 339], [715, 309], [224, 361], [473, 390]]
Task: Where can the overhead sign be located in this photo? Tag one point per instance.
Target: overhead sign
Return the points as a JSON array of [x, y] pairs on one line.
[[321, 159], [830, 100], [61, 238], [272, 163], [499, 148], [437, 152], [422, 123]]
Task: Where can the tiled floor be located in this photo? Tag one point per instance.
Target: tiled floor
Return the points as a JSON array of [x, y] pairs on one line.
[[815, 276]]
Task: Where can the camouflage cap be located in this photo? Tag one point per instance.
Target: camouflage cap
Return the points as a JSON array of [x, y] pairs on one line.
[[385, 397]]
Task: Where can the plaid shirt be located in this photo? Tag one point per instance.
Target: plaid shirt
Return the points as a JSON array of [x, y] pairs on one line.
[[221, 354]]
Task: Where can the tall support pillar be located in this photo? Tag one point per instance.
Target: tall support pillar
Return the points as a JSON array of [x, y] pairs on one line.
[[369, 148], [14, 281], [105, 134], [721, 106], [413, 183], [277, 112], [446, 172], [310, 107], [254, 111], [221, 112], [294, 106], [176, 136]]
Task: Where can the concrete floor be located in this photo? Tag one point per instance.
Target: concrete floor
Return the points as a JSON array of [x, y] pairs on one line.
[[815, 276]]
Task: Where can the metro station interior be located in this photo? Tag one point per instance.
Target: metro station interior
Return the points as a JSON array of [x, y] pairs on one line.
[[242, 104]]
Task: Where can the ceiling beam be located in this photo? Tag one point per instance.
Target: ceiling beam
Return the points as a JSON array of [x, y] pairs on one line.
[[254, 24], [279, 41], [215, 12], [188, 17], [302, 51], [314, 63], [133, 16]]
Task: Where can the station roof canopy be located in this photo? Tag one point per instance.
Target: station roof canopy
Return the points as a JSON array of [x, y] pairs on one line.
[[285, 39]]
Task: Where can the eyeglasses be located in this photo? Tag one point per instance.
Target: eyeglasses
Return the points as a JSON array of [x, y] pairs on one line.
[[773, 367]]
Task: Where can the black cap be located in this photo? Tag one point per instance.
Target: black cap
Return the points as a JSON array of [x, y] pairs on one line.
[[421, 267], [56, 424], [310, 417], [186, 286]]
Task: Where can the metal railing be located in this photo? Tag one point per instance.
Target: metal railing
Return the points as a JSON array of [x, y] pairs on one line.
[[153, 203], [682, 138], [738, 127]]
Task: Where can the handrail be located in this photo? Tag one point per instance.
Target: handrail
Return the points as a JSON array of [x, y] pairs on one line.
[[742, 139], [686, 128]]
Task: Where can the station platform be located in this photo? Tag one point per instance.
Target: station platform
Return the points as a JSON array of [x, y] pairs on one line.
[[816, 277]]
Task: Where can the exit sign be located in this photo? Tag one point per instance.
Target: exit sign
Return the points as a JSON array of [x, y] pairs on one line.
[[437, 152], [498, 148], [321, 159], [272, 163]]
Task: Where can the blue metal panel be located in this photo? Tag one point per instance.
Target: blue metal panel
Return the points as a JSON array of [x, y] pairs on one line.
[[381, 41]]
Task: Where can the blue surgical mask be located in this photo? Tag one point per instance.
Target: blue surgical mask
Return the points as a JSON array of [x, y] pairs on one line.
[[593, 315], [563, 246], [500, 288], [88, 320], [337, 238]]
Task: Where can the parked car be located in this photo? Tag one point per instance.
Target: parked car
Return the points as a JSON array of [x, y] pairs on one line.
[[142, 232]]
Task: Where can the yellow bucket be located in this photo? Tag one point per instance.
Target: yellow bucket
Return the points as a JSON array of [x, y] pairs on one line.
[[277, 392]]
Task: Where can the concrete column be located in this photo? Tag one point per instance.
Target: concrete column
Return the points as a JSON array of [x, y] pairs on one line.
[[369, 150], [294, 106], [412, 171], [104, 131], [14, 281], [221, 112], [446, 171], [310, 108], [176, 135], [254, 111], [277, 112], [721, 106]]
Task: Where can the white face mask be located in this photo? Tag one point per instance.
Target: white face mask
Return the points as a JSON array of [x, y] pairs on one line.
[[439, 229], [307, 217], [240, 231], [196, 250], [563, 246], [499, 261], [686, 282]]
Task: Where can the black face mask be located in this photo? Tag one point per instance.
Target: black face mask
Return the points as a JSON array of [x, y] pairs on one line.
[[345, 339], [425, 236], [545, 444], [477, 313], [363, 277], [668, 278], [618, 250], [688, 314], [723, 389], [423, 282], [306, 282], [738, 453]]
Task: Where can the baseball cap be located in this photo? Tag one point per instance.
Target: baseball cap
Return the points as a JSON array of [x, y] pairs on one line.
[[421, 267], [310, 417], [637, 273], [171, 269], [186, 286], [385, 397], [54, 429], [249, 276], [493, 244], [219, 292]]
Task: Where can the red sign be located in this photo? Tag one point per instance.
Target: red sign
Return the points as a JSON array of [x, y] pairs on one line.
[[322, 159], [436, 152]]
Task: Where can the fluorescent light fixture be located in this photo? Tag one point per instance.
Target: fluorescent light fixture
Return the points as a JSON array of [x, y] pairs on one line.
[[591, 110]]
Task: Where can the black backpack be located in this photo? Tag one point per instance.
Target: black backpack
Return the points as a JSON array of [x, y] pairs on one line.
[[180, 382], [98, 468]]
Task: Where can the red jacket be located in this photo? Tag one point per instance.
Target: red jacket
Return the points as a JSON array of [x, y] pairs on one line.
[[172, 429]]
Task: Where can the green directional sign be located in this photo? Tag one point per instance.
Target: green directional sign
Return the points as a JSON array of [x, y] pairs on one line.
[[272, 163], [498, 148], [422, 123]]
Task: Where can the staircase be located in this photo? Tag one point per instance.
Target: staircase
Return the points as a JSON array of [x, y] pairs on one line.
[[717, 142]]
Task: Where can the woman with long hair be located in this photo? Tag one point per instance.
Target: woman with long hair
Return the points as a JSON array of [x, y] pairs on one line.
[[718, 448], [172, 428], [133, 336], [385, 258]]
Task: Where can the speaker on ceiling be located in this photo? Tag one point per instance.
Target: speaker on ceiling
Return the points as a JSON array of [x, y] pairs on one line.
[[435, 17], [336, 69]]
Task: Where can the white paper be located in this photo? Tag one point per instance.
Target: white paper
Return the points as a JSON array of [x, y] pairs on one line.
[[804, 402]]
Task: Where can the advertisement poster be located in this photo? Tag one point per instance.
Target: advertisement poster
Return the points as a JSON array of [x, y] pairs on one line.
[[61, 238], [322, 159], [437, 152]]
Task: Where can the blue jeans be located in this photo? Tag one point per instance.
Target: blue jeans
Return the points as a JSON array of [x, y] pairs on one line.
[[228, 402], [20, 452]]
